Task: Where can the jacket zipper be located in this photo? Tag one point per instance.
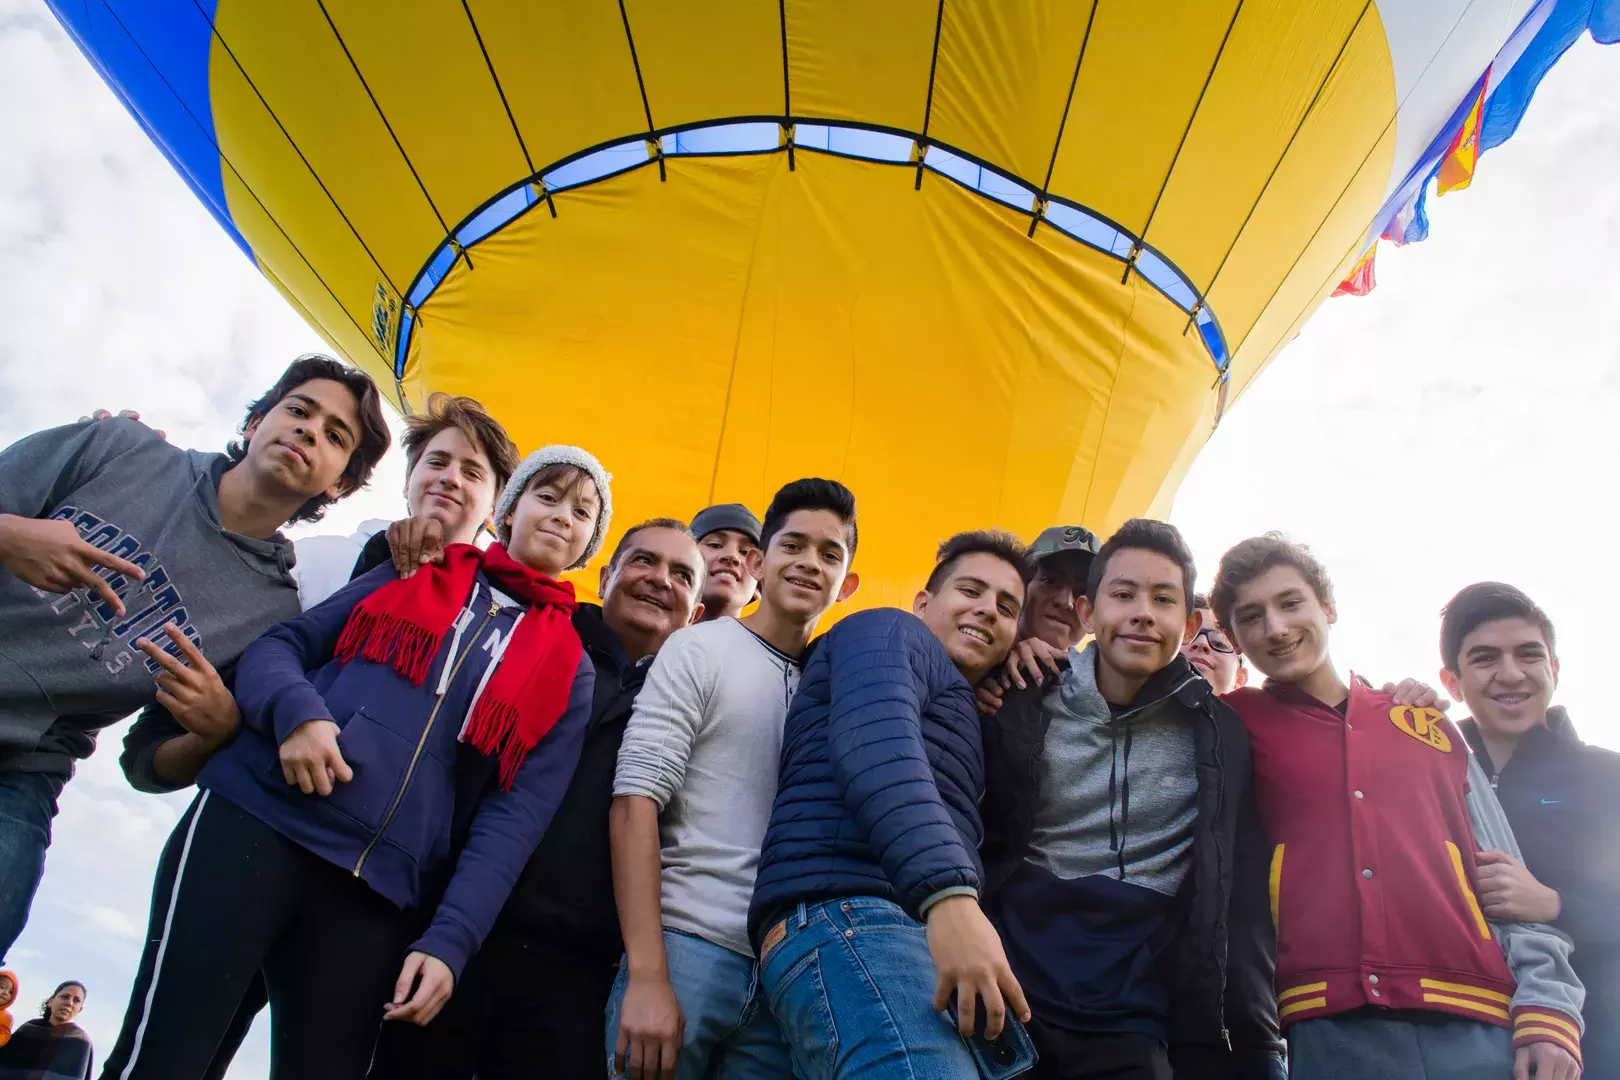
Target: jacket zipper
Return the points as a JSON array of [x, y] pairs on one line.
[[427, 729], [1220, 877]]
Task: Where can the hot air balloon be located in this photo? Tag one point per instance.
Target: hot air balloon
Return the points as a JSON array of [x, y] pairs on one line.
[[986, 261]]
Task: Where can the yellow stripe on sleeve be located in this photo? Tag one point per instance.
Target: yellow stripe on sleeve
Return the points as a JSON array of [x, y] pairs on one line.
[[1547, 1018], [1552, 1034]]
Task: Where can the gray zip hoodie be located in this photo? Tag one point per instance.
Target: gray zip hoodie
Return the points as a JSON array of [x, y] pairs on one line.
[[68, 665]]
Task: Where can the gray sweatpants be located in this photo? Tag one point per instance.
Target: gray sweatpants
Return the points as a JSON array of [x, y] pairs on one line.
[[1369, 1047]]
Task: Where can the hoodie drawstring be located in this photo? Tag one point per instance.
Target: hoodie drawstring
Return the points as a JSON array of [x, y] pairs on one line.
[[1125, 802], [1119, 779], [1113, 778]]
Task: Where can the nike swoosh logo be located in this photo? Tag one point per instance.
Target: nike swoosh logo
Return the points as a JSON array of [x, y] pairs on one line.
[[1551, 802]]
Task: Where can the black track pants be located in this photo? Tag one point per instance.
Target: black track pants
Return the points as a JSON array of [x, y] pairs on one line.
[[1071, 1055], [233, 897], [526, 1007]]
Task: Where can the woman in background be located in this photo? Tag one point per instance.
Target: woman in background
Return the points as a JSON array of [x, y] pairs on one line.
[[52, 1047]]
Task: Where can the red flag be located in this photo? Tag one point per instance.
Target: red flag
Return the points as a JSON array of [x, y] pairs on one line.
[[1361, 281]]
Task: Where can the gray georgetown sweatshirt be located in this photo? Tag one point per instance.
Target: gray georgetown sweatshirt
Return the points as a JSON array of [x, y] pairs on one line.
[[68, 665]]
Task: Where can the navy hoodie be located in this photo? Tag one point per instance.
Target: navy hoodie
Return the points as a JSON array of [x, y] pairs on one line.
[[392, 825]]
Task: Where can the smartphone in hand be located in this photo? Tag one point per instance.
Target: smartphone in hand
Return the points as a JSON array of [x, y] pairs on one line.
[[1009, 1054]]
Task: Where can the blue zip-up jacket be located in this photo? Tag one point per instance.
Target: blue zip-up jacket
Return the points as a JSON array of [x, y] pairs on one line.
[[882, 768], [392, 824]]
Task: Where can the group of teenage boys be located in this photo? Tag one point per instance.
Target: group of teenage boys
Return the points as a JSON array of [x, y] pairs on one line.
[[946, 842]]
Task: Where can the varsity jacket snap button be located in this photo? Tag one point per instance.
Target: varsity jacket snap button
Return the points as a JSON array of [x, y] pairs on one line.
[[1359, 795], [1366, 873], [1372, 979]]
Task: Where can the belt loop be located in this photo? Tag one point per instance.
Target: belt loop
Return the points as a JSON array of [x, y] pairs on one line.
[[802, 914]]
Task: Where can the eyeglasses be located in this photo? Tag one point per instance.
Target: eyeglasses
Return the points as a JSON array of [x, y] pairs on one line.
[[1216, 639]]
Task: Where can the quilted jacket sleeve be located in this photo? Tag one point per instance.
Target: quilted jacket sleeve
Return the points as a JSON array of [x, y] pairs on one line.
[[883, 675]]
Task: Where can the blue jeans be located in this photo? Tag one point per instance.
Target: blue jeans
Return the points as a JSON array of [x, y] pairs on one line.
[[852, 985], [27, 805], [729, 1033]]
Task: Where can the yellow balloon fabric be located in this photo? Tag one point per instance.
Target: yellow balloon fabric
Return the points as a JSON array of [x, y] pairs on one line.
[[923, 324], [765, 326]]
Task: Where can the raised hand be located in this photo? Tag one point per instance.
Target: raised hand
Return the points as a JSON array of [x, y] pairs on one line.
[[51, 555], [192, 690]]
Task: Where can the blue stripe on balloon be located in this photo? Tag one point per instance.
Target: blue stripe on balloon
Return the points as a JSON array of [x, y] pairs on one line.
[[154, 54]]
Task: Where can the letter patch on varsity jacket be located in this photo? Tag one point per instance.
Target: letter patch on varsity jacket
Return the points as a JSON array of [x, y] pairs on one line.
[[1424, 725]]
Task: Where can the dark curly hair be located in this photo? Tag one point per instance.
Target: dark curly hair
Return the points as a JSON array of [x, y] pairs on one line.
[[374, 436]]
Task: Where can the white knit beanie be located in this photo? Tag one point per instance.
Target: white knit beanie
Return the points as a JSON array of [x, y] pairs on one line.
[[558, 455]]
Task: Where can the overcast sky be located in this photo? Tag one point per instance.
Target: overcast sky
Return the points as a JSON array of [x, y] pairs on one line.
[[1456, 425]]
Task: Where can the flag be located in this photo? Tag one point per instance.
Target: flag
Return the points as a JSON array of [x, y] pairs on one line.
[[1457, 167], [1361, 280], [1411, 223]]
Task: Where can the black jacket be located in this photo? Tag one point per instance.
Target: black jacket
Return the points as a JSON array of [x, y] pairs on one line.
[[565, 893], [1220, 967], [1562, 798]]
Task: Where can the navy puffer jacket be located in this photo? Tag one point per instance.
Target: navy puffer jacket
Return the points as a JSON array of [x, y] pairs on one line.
[[882, 769]]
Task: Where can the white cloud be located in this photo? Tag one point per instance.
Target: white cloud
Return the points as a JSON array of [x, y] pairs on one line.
[[110, 921], [1455, 425]]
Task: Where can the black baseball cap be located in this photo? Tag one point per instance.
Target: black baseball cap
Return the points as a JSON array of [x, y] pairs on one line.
[[726, 516], [1064, 538]]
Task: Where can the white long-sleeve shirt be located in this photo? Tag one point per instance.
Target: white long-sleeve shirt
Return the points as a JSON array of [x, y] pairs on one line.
[[705, 744]]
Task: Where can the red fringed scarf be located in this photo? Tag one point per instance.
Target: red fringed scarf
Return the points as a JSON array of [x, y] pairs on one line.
[[404, 623]]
